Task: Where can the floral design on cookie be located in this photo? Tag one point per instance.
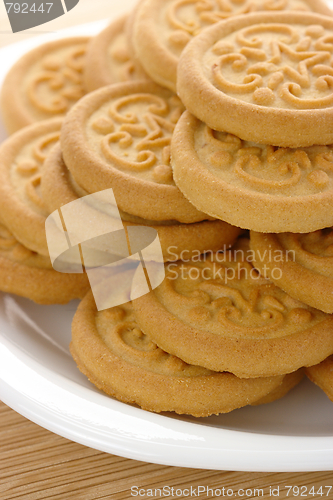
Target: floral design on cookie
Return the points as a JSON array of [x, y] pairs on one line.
[[136, 133], [111, 349], [127, 340], [272, 72], [119, 136], [26, 171], [44, 83], [219, 312], [22, 157], [164, 28], [288, 189], [275, 65], [267, 168], [306, 258], [57, 83]]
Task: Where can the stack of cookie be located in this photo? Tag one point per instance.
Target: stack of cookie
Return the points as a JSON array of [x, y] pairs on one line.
[[244, 145]]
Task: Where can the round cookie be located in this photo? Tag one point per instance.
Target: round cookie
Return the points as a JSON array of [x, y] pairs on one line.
[[28, 274], [22, 208], [263, 77], [44, 83], [300, 264], [108, 60], [177, 240], [163, 28], [263, 188], [119, 137], [110, 349], [221, 314], [322, 375]]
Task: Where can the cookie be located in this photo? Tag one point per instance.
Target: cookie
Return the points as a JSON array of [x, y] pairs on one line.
[[119, 137], [221, 314], [44, 83], [108, 60], [264, 188], [289, 382], [22, 208], [28, 274], [263, 77], [163, 28], [177, 240], [111, 350], [300, 264], [322, 375]]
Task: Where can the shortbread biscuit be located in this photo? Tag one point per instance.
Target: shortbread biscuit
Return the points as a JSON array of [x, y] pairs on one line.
[[322, 375], [108, 60], [253, 186], [264, 77], [289, 382], [119, 137], [44, 83], [110, 349], [221, 314], [28, 274], [300, 264], [162, 28], [177, 240], [21, 159]]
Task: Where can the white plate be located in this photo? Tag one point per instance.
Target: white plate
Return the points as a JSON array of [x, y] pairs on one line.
[[39, 379]]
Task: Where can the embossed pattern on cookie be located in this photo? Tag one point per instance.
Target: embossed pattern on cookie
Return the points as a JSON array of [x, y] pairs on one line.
[[21, 159], [305, 269], [108, 60], [120, 359], [221, 313], [268, 69], [288, 189], [122, 135], [163, 28], [44, 83]]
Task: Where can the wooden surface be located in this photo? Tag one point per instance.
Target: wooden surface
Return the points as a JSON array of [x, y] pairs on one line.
[[36, 464]]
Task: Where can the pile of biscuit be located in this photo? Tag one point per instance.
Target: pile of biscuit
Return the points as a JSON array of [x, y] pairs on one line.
[[212, 123]]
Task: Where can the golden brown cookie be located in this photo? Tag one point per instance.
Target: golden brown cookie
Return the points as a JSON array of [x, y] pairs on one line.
[[110, 349], [30, 275], [300, 264], [264, 188], [21, 158], [44, 83], [163, 28], [221, 314], [119, 137], [177, 240], [289, 382], [263, 77], [108, 60], [322, 375]]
